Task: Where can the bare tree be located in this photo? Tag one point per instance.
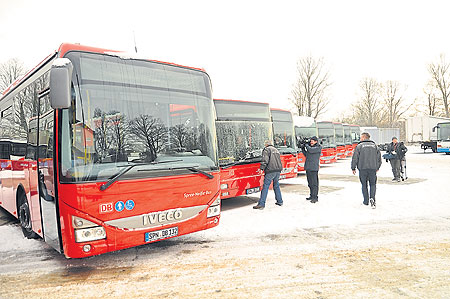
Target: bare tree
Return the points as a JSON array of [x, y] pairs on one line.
[[309, 91], [440, 73], [433, 104], [10, 71], [393, 104], [151, 132], [119, 128], [367, 110]]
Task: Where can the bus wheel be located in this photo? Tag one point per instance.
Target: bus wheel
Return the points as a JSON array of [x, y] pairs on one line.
[[25, 218]]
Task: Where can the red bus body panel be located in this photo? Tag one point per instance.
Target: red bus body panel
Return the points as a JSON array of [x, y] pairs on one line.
[[328, 155], [149, 195], [289, 162], [348, 150], [300, 162], [340, 151], [239, 179]]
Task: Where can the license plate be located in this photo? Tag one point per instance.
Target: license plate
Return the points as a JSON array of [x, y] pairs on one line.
[[161, 234], [252, 190], [282, 177]]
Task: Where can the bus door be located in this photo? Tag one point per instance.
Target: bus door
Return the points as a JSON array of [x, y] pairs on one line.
[[6, 177], [46, 177]]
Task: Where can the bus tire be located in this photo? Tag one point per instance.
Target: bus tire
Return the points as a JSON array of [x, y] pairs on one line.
[[25, 218]]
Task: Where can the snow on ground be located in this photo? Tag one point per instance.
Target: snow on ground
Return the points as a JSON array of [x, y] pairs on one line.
[[13, 239], [426, 193]]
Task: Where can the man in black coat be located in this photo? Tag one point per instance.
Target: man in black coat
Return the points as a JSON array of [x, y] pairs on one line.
[[312, 153], [367, 158], [398, 151]]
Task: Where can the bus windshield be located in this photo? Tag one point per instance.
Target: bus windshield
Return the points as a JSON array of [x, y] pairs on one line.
[[241, 140], [284, 137], [326, 135], [347, 135], [355, 134], [283, 132], [339, 134], [305, 132], [134, 111], [242, 128], [444, 131]]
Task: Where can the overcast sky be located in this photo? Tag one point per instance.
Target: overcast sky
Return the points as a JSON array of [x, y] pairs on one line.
[[249, 48]]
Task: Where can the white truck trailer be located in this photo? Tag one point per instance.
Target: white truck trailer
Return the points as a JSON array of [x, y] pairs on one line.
[[421, 129], [381, 136]]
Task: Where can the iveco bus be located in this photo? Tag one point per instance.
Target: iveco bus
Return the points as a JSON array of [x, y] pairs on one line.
[[119, 151]]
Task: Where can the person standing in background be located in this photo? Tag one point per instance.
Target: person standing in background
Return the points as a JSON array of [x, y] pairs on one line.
[[398, 151], [312, 153]]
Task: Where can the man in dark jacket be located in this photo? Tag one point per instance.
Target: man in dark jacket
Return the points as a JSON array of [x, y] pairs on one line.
[[312, 153], [271, 165], [367, 158], [398, 151]]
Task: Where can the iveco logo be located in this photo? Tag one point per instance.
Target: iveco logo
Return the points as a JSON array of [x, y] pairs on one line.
[[163, 216]]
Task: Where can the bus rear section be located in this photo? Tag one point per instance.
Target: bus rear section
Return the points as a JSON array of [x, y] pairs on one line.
[[339, 139], [325, 131], [348, 140], [443, 137], [122, 152], [305, 128], [242, 127], [284, 141]]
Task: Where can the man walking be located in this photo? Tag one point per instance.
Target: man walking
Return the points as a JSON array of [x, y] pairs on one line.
[[271, 165], [312, 154], [367, 158], [398, 151]]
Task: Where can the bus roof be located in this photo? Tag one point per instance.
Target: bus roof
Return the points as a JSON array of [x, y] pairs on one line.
[[67, 47], [241, 101], [278, 109]]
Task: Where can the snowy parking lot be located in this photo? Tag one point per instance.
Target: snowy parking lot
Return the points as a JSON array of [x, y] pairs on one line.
[[336, 248]]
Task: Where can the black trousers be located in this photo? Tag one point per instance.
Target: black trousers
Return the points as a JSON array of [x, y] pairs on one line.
[[370, 176], [396, 168], [313, 183]]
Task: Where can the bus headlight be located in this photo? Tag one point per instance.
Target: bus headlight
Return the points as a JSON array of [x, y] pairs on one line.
[[223, 186], [214, 209], [90, 234], [86, 230]]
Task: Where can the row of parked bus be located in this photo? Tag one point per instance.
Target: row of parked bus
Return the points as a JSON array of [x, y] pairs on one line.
[[242, 128], [102, 151]]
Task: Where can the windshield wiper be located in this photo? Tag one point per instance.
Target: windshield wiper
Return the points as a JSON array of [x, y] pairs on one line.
[[247, 160], [128, 168], [193, 169]]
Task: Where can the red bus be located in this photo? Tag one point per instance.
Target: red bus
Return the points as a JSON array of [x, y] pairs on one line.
[[242, 127], [348, 140], [355, 132], [110, 163], [325, 131], [284, 141], [339, 138], [305, 127]]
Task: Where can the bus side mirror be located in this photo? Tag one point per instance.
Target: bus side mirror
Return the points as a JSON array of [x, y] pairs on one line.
[[60, 79], [434, 128]]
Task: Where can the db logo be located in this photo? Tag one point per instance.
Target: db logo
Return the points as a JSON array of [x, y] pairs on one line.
[[106, 208]]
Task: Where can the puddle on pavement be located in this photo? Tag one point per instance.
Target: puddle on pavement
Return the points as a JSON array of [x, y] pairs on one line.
[[303, 189]]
